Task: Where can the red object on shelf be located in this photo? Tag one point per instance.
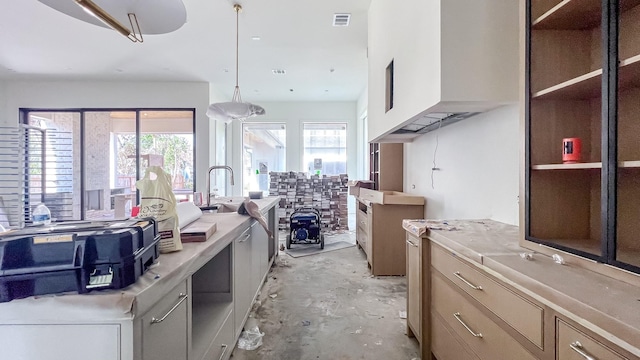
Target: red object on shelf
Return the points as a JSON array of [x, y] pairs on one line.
[[571, 150], [135, 210]]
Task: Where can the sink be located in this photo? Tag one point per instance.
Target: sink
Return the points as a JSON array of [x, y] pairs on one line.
[[219, 208]]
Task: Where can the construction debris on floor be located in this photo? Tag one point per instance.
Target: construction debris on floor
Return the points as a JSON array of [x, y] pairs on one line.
[[328, 306]]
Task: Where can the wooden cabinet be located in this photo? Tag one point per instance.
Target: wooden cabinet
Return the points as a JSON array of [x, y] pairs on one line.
[[386, 166], [165, 326], [480, 299], [573, 344], [583, 83], [521, 314], [438, 57], [418, 305], [380, 233]]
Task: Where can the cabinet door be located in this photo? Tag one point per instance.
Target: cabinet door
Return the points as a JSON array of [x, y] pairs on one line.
[[259, 256], [242, 285], [164, 327], [60, 342], [371, 237], [413, 285], [627, 183]]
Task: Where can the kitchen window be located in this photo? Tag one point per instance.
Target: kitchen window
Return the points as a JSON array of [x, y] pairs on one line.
[[325, 148], [93, 159]]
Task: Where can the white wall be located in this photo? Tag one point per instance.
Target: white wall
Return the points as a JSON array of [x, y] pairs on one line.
[[294, 115], [86, 94], [4, 120], [479, 168]]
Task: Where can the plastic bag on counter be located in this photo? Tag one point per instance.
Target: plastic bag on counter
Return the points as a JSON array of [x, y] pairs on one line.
[[157, 200], [250, 339]]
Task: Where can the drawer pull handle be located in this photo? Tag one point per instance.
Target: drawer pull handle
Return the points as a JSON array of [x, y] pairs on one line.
[[577, 347], [224, 346], [245, 238], [411, 243], [457, 316], [474, 287], [182, 297]]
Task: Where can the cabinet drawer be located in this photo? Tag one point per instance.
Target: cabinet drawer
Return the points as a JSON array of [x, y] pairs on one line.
[[523, 315], [572, 344], [483, 336], [164, 327], [445, 344], [222, 345], [362, 222], [362, 239]]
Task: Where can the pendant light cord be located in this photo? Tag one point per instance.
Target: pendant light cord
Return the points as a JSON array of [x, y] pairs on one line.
[[238, 8]]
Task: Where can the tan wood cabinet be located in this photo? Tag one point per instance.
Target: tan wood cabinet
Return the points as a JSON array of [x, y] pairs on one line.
[[386, 166], [379, 232], [581, 124], [480, 297]]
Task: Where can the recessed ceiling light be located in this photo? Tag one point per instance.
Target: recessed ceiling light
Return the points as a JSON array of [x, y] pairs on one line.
[[279, 71], [291, 90], [332, 70], [256, 38]]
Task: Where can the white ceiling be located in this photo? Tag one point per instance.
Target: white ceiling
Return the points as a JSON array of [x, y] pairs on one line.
[[37, 42]]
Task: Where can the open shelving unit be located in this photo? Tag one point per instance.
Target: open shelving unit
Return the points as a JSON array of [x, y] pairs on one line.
[[386, 166], [588, 208], [212, 301]]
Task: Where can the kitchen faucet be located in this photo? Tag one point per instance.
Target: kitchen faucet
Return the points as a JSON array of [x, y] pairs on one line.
[[228, 168]]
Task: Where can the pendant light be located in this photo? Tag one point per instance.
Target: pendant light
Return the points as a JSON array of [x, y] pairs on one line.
[[234, 109]]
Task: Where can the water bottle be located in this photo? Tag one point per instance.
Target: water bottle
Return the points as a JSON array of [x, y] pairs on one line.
[[41, 215]]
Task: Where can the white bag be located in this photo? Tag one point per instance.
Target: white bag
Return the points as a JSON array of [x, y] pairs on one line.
[[157, 200]]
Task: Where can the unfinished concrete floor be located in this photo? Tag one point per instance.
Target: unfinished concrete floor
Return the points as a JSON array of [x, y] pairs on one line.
[[328, 306]]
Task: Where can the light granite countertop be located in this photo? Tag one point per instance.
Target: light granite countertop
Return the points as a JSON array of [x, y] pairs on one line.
[[124, 304]]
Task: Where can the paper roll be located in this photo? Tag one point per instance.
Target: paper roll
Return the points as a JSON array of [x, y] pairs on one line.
[[188, 212]]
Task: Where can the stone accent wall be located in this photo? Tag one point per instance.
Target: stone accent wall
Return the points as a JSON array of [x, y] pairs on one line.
[[97, 154]]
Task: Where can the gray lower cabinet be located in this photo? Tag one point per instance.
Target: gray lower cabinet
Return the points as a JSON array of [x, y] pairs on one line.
[[191, 305], [164, 327], [223, 343], [242, 283], [259, 256]]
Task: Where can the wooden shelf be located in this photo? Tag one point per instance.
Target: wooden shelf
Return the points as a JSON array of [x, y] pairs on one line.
[[629, 164], [583, 166], [589, 85], [576, 15], [567, 166], [582, 87], [571, 15]]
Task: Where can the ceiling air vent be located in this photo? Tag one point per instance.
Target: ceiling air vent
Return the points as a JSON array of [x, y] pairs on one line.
[[341, 19], [279, 71]]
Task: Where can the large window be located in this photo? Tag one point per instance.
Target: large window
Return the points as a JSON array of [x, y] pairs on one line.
[[263, 151], [325, 148], [94, 158]]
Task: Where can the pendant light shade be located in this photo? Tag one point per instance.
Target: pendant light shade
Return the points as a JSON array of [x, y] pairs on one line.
[[234, 109]]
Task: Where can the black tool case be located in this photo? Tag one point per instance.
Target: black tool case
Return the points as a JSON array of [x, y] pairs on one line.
[[57, 261]]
